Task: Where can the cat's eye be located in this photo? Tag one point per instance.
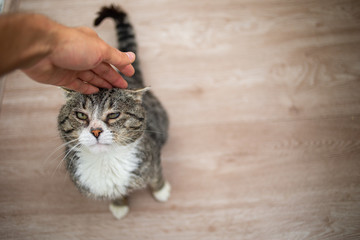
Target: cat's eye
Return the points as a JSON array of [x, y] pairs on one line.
[[81, 116], [113, 115]]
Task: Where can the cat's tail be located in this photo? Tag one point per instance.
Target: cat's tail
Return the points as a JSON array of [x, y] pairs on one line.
[[125, 31]]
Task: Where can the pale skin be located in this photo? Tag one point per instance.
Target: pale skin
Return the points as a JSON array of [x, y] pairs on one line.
[[51, 53]]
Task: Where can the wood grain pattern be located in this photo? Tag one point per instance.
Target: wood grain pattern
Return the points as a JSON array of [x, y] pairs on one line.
[[264, 143]]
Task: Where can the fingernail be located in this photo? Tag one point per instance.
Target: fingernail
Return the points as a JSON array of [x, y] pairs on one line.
[[131, 55]]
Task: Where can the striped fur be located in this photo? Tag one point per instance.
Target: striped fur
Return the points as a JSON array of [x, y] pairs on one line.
[[131, 126], [126, 38]]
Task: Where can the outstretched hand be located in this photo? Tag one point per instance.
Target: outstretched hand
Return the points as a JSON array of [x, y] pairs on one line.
[[51, 53], [81, 61]]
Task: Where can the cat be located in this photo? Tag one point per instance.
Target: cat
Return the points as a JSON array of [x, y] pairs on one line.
[[114, 137]]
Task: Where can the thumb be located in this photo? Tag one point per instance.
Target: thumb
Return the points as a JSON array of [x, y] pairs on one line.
[[117, 58]]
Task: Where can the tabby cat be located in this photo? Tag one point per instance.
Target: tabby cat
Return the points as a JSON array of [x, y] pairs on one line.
[[114, 137]]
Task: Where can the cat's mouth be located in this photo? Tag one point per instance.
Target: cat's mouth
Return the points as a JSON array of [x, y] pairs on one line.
[[101, 143], [99, 147]]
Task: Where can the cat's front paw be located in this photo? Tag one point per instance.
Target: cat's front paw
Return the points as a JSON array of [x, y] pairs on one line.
[[163, 194], [119, 211]]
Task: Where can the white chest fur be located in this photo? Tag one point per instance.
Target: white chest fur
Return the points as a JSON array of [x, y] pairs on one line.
[[107, 174]]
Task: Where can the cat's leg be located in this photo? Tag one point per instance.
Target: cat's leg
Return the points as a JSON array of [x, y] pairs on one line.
[[160, 188], [119, 207]]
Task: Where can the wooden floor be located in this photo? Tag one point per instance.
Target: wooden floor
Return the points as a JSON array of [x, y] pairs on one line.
[[264, 100]]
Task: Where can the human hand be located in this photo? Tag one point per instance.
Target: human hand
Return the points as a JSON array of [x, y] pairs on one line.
[[80, 60]]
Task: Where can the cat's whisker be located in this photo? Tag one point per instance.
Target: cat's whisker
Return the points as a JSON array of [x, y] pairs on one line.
[[124, 137], [57, 149], [62, 160], [125, 140]]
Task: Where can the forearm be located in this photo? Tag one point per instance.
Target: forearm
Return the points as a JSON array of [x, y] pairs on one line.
[[24, 40], [51, 53]]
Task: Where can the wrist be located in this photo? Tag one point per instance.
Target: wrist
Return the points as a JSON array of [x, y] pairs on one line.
[[25, 39]]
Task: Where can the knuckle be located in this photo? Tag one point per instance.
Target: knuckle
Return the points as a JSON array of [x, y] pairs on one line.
[[88, 76], [87, 30], [83, 87], [104, 70]]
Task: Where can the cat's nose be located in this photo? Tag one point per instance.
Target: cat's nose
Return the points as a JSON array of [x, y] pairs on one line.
[[96, 131]]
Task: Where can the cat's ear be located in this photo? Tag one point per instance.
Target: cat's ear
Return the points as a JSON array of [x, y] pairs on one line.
[[139, 93], [67, 92]]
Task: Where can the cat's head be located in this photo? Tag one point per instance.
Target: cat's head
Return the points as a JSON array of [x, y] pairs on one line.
[[97, 122]]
